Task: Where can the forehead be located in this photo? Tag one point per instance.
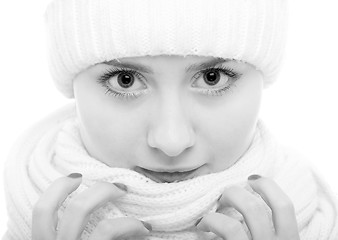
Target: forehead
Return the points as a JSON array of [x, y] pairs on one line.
[[166, 57], [147, 63]]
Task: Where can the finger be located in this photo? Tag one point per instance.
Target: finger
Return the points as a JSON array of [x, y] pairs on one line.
[[77, 213], [223, 226], [283, 212], [253, 210], [44, 218], [110, 229]]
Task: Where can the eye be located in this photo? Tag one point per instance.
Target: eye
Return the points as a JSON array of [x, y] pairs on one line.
[[123, 83], [212, 77], [214, 81], [124, 80]]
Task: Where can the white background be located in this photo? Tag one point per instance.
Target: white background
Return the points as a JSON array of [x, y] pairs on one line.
[[300, 108]]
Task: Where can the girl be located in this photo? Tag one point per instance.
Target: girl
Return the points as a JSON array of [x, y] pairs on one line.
[[164, 139]]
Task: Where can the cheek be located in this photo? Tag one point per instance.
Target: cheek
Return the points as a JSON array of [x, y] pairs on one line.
[[228, 128], [110, 132], [111, 136]]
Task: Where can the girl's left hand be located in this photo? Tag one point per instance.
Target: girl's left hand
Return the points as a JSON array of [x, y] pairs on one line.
[[254, 213]]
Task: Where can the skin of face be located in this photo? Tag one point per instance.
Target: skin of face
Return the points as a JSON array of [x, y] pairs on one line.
[[174, 125]]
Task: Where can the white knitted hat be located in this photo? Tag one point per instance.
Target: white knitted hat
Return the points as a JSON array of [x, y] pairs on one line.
[[81, 33]]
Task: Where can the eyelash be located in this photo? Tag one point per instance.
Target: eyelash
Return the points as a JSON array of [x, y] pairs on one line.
[[219, 92], [115, 71]]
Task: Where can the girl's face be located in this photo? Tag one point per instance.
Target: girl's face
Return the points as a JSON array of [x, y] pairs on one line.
[[168, 117]]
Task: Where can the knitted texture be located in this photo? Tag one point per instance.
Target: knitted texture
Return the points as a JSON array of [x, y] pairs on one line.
[[53, 148], [81, 33]]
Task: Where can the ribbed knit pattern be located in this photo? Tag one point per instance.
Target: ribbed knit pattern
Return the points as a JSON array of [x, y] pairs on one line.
[[81, 33], [53, 148]]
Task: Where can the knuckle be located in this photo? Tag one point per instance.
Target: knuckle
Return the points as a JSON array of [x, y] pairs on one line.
[[254, 206], [104, 228], [235, 227], [228, 192], [209, 217], [79, 207], [40, 208], [107, 189], [285, 205]]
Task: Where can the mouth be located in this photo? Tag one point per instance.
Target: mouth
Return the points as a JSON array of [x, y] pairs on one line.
[[162, 176]]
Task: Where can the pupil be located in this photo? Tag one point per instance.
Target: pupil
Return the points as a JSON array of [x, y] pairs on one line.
[[212, 77], [125, 80]]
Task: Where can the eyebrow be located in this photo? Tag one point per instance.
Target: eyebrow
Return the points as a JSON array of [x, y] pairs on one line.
[[142, 68]]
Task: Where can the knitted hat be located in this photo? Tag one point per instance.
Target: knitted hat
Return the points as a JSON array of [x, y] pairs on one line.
[[81, 33]]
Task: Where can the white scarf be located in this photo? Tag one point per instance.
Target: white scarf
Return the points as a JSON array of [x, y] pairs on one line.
[[53, 148]]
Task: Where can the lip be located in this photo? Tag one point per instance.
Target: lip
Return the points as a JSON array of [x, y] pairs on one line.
[[168, 176]]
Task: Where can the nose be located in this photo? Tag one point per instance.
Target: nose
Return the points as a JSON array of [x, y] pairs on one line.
[[171, 131]]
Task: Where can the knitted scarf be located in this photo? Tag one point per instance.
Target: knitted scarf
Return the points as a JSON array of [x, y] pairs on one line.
[[53, 148]]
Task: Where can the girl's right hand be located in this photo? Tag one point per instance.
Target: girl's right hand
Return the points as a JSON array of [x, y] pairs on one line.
[[77, 213]]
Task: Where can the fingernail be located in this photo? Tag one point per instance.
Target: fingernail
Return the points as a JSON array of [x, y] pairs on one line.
[[75, 175], [198, 221], [121, 186], [254, 177], [147, 225]]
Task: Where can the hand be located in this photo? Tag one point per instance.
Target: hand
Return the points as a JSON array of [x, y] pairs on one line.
[[254, 213], [77, 213]]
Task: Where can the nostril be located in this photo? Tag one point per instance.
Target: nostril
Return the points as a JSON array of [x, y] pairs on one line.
[[151, 141]]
